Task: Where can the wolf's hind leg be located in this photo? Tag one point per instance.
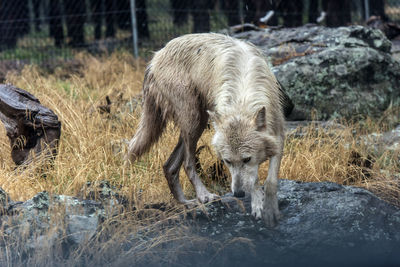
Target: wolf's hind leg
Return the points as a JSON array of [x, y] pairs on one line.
[[171, 171]]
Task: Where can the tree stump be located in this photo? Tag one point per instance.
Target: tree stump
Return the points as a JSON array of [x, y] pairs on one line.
[[33, 129]]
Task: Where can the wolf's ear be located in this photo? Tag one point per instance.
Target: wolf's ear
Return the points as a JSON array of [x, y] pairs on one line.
[[260, 120], [214, 117]]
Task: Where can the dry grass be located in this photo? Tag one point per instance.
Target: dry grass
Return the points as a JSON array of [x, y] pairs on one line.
[[92, 147], [344, 156], [90, 139], [92, 144], [85, 146]]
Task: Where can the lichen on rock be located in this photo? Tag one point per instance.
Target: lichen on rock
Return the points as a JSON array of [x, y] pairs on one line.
[[336, 72]]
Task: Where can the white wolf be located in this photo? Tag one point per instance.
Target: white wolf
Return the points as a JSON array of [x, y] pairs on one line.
[[198, 76]]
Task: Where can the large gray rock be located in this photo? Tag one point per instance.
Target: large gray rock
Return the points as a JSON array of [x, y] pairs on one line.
[[323, 224], [33, 218], [4, 200], [49, 221], [339, 72], [384, 142]]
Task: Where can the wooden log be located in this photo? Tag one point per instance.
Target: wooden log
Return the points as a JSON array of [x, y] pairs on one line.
[[30, 126]]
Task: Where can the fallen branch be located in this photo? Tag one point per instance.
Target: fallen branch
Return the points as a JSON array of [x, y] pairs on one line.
[[30, 126]]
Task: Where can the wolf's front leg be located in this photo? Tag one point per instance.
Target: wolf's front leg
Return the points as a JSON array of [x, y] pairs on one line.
[[271, 212], [203, 195], [257, 200]]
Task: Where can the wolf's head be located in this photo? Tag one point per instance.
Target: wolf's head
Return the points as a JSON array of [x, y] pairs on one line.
[[243, 143]]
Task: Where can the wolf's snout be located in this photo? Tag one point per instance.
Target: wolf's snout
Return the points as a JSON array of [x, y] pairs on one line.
[[239, 193]]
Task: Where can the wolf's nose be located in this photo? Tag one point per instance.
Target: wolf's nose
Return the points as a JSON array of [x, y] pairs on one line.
[[239, 193]]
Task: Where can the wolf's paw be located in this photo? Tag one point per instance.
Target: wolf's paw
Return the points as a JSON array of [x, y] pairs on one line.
[[257, 199], [256, 211], [190, 204], [271, 214], [207, 197], [257, 206]]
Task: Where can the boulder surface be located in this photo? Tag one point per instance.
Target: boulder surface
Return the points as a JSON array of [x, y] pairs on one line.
[[338, 72], [322, 224]]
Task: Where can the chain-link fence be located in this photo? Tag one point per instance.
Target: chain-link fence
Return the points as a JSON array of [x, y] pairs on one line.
[[37, 30]]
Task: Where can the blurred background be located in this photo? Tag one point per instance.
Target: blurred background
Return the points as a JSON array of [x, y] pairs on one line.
[[38, 30]]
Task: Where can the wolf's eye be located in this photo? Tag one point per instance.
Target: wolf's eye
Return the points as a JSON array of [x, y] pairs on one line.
[[227, 162], [245, 160]]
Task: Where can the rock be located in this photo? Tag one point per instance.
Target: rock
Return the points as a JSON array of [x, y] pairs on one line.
[[81, 228], [35, 218], [322, 224], [48, 221], [105, 193], [383, 142], [4, 200], [338, 72], [390, 29], [45, 242], [396, 49], [245, 27], [300, 129], [391, 139]]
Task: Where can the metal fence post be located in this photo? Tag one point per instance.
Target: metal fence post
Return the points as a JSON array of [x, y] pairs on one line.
[[366, 8], [134, 29]]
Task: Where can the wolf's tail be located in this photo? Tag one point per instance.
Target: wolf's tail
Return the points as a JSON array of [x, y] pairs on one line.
[[150, 128]]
